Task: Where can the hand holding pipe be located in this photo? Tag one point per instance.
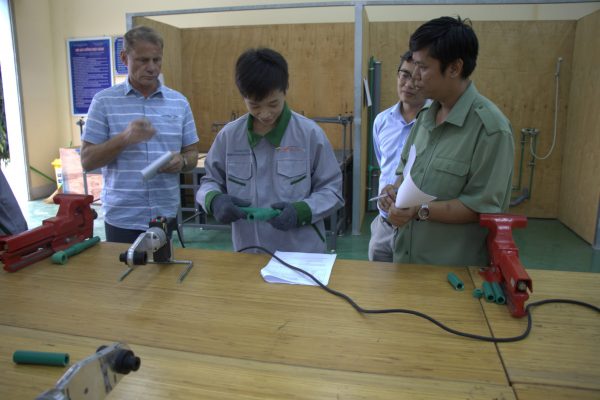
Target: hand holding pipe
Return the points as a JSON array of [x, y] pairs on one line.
[[61, 257], [260, 214], [151, 170]]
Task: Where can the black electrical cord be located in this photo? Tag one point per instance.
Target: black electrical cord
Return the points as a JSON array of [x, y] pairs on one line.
[[178, 228], [425, 316]]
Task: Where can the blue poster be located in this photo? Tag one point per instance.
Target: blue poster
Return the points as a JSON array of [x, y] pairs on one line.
[[90, 70], [119, 66]]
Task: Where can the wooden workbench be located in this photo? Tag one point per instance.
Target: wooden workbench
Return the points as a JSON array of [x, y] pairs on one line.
[[561, 358], [224, 333]]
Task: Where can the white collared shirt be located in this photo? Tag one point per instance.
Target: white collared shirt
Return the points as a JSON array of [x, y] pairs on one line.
[[390, 132]]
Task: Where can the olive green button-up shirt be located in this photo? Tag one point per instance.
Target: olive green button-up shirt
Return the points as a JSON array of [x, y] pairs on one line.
[[468, 157]]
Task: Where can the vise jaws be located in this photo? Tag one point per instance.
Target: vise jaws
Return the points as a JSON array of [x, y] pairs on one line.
[[505, 266], [73, 223]]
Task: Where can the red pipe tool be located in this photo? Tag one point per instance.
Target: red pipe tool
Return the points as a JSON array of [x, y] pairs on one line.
[[505, 266], [73, 223]]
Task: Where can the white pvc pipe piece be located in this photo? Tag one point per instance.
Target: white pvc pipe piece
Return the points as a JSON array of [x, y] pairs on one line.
[[151, 170]]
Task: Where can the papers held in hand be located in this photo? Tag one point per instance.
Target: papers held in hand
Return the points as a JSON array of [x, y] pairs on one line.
[[409, 195]]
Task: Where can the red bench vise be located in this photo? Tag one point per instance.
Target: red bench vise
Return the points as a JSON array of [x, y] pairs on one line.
[[505, 266], [74, 223]]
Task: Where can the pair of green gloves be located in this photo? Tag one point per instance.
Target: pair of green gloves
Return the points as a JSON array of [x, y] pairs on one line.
[[227, 209]]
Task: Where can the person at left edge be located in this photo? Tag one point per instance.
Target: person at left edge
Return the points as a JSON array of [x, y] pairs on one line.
[[130, 125], [271, 157], [12, 220]]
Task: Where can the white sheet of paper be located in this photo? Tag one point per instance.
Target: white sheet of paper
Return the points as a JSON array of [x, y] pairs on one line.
[[317, 264], [409, 195], [412, 156]]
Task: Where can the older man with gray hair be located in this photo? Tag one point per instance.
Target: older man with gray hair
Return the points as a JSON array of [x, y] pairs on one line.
[[130, 125]]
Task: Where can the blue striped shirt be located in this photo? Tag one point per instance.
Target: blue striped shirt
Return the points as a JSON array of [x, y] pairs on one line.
[[127, 200]]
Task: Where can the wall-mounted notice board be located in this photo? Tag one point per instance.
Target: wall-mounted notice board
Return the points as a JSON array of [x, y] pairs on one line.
[[120, 68], [90, 70]]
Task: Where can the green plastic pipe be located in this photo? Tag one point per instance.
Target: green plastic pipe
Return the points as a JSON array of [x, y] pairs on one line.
[[498, 293], [370, 116], [260, 214], [61, 257], [40, 358], [455, 281], [477, 293], [41, 173], [488, 292], [533, 138]]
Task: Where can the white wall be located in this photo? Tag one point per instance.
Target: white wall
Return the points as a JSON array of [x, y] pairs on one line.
[[37, 65]]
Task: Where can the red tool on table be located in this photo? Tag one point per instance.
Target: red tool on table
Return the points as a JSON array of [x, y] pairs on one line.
[[505, 266], [73, 223]]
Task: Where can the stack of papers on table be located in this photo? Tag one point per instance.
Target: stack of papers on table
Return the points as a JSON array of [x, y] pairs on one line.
[[317, 264]]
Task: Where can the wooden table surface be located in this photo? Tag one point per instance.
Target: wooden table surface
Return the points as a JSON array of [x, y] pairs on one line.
[[172, 374], [564, 346], [225, 333]]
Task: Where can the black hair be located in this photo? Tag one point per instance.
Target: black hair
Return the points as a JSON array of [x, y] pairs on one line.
[[405, 57], [258, 72], [448, 39], [141, 34]]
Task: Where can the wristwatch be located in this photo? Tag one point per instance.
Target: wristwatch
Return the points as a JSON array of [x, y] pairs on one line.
[[423, 212]]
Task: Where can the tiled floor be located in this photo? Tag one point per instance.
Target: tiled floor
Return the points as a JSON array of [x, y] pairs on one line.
[[544, 244]]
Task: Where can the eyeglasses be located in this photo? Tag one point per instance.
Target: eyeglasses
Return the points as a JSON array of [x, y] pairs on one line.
[[404, 76]]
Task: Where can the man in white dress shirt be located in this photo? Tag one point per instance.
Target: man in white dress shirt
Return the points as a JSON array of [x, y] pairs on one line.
[[390, 130]]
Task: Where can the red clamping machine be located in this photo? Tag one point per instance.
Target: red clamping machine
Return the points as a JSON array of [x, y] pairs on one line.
[[505, 266], [74, 223]]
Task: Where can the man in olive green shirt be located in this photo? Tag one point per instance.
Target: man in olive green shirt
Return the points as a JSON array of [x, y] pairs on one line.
[[465, 153]]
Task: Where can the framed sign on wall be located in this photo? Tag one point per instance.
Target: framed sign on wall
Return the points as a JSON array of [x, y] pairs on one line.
[[90, 70], [120, 68]]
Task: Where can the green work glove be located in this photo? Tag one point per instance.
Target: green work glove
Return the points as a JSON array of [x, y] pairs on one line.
[[226, 208], [288, 219]]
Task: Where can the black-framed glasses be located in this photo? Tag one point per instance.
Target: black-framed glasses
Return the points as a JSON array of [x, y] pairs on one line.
[[404, 75]]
